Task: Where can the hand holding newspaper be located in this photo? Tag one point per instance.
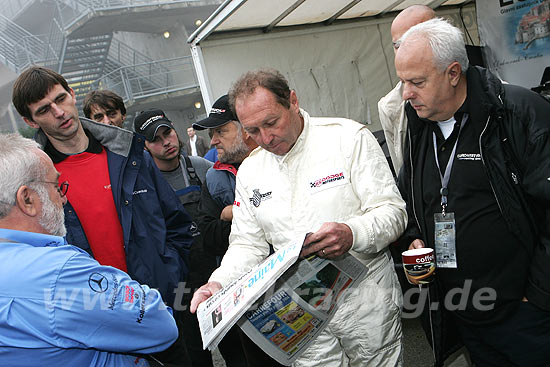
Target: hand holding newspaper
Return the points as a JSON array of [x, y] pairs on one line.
[[220, 312], [280, 305]]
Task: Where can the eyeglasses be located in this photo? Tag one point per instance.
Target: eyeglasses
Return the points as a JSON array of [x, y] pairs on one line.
[[62, 187]]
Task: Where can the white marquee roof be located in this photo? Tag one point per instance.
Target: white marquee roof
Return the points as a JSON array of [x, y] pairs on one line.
[[267, 15]]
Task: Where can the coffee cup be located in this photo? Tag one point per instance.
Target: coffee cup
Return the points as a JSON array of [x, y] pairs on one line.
[[419, 265]]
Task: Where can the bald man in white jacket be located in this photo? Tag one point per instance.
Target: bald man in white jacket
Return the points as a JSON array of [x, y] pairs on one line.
[[391, 107]]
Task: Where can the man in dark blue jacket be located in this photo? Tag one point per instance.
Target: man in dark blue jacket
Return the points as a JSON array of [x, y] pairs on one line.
[[121, 211]]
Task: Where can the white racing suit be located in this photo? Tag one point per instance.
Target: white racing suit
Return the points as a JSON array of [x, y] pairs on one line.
[[391, 111], [335, 172]]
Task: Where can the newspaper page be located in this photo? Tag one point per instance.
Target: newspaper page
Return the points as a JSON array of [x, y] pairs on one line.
[[285, 320], [220, 312]]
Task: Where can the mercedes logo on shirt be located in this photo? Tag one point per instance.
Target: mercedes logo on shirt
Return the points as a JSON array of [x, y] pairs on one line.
[[98, 282]]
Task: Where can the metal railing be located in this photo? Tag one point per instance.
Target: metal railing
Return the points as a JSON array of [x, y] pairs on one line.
[[109, 4], [123, 54], [150, 78], [11, 8], [129, 73], [20, 48], [76, 9]]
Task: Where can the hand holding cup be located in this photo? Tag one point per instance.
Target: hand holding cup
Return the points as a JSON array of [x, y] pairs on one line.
[[419, 265]]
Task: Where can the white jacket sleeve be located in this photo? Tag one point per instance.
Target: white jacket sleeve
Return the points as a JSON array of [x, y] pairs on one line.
[[247, 243], [391, 112], [384, 216]]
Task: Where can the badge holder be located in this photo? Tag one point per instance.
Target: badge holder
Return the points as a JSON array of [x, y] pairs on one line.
[[444, 222]]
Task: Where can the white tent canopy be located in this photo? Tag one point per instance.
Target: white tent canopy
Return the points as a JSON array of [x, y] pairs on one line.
[[267, 14], [336, 54]]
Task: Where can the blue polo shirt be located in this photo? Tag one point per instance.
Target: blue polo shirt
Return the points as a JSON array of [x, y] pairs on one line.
[[58, 306]]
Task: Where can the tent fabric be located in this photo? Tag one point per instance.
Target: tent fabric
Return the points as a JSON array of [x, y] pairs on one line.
[[248, 14], [338, 70]]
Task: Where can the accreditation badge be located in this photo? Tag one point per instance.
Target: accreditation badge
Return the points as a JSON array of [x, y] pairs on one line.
[[445, 240]]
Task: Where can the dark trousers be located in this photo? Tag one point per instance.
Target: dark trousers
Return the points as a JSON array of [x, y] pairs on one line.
[[176, 355], [230, 347], [523, 339], [255, 356]]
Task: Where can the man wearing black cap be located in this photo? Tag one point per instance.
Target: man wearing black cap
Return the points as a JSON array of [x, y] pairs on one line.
[[217, 199], [182, 172], [185, 174], [233, 145]]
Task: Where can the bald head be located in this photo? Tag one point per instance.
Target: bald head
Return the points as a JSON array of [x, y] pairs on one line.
[[408, 18]]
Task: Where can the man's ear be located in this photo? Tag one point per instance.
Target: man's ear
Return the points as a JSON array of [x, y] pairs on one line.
[[27, 201], [251, 143], [454, 72], [31, 123], [294, 101]]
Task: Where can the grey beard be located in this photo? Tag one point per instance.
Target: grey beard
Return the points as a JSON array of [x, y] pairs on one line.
[[236, 154], [52, 218]]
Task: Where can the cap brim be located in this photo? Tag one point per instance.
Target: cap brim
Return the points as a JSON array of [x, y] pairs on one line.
[[209, 123], [151, 137]]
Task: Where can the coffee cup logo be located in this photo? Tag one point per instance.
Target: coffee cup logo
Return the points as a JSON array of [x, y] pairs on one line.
[[419, 265]]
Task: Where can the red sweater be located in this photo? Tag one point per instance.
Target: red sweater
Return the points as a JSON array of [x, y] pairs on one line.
[[91, 197]]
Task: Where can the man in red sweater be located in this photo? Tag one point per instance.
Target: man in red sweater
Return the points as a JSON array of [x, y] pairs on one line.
[[120, 209]]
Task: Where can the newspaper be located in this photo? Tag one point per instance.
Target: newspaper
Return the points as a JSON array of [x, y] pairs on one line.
[[287, 318], [280, 304], [220, 312]]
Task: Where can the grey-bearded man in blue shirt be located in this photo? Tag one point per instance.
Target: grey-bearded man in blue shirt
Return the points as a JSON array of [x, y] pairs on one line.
[[58, 306]]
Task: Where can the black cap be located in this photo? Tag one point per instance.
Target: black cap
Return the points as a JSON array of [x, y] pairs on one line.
[[220, 114], [148, 122]]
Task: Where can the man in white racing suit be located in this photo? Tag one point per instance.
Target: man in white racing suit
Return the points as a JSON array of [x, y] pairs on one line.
[[327, 176]]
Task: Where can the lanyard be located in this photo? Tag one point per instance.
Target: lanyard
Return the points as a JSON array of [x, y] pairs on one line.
[[445, 178]]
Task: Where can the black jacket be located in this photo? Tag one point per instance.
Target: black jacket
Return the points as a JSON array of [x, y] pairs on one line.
[[514, 141], [217, 193]]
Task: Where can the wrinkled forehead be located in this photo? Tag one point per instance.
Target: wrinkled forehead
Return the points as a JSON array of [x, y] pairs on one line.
[[413, 51], [40, 90], [37, 97]]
